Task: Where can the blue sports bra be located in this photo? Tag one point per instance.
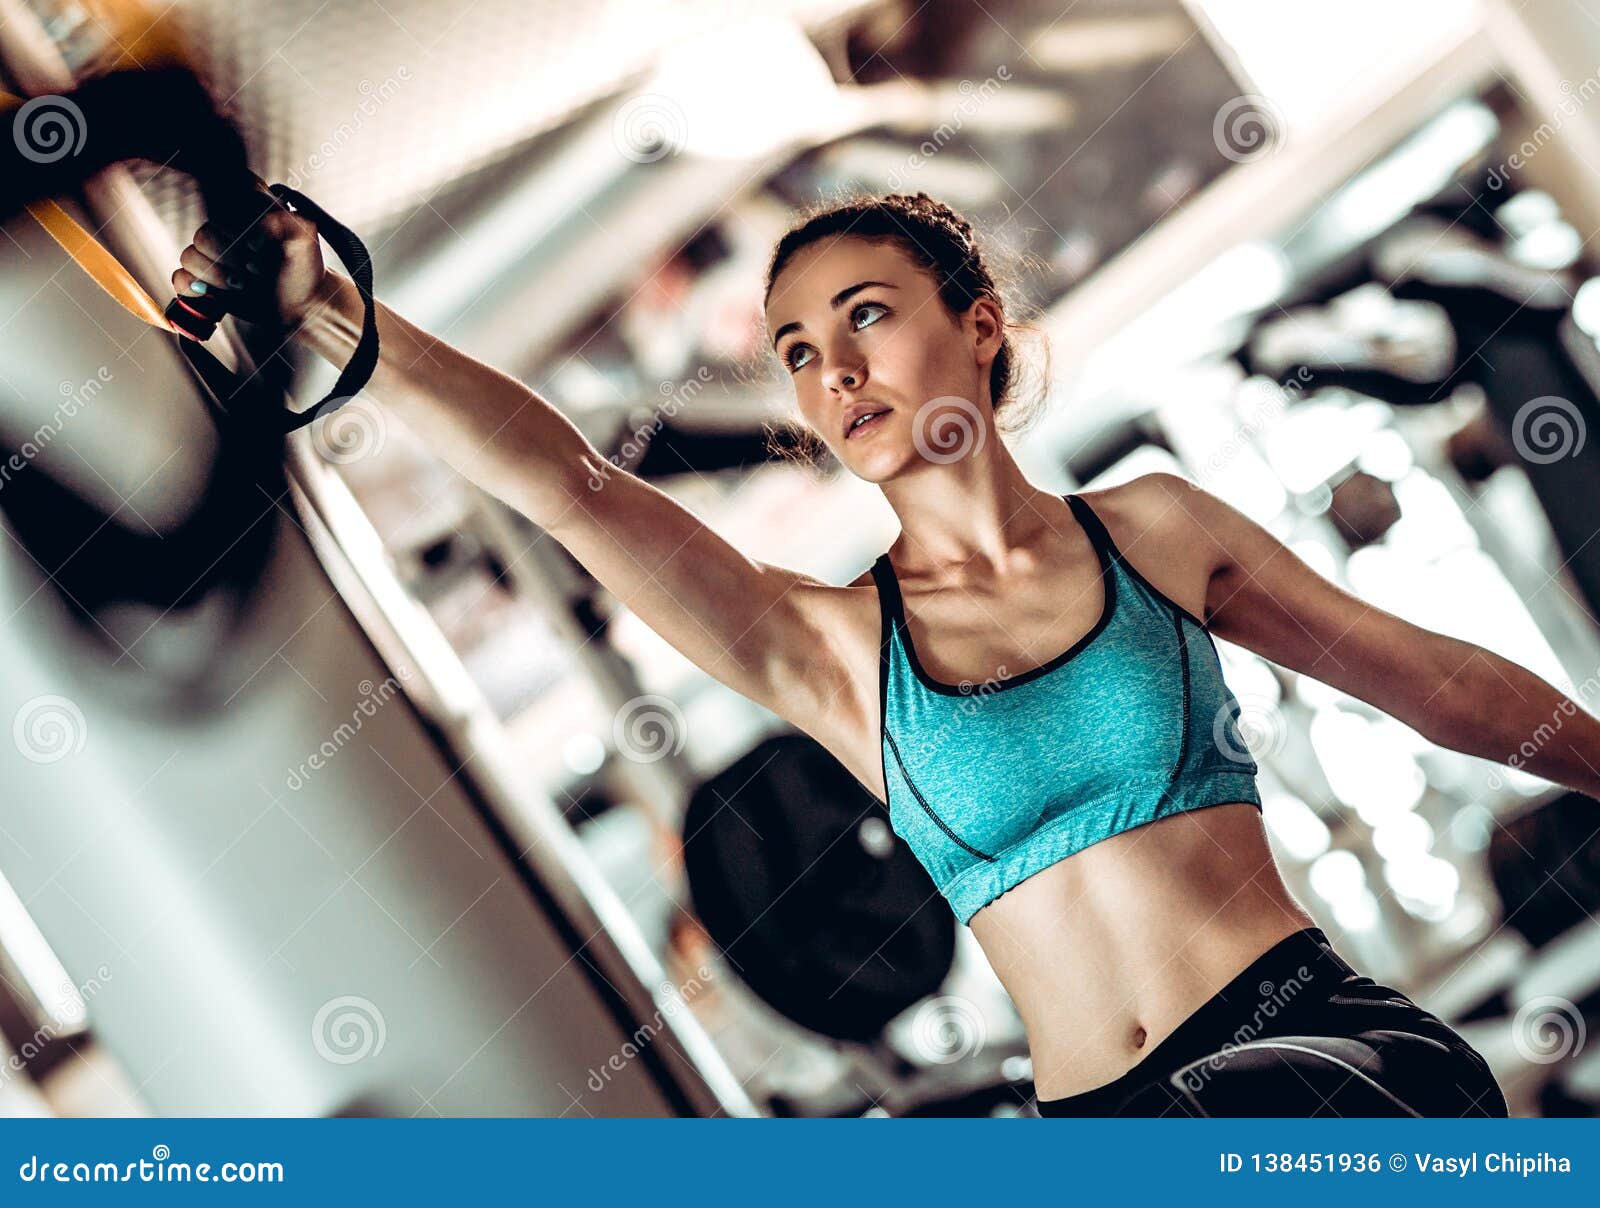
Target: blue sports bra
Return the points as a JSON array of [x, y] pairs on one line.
[[992, 782]]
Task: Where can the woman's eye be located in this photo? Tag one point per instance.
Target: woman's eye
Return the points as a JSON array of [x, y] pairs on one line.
[[873, 312], [865, 307]]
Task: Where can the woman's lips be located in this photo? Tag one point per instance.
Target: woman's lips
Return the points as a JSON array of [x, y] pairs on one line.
[[867, 425]]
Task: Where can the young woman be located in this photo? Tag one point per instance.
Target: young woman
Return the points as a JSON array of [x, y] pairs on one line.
[[1089, 809]]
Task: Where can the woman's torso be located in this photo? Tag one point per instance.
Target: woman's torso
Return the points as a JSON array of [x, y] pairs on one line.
[[1107, 950]]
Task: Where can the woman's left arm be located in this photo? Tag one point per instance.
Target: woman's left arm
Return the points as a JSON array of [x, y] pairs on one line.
[[1262, 596]]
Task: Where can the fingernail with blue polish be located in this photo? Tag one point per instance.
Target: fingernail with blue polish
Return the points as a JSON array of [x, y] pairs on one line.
[[234, 280], [197, 287]]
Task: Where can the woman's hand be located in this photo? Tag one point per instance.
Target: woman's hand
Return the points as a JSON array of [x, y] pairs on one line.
[[271, 271]]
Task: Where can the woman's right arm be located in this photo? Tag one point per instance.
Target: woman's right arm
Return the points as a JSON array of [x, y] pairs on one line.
[[780, 638], [485, 424]]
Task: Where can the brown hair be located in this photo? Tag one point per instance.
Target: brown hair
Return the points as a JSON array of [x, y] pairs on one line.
[[941, 242]]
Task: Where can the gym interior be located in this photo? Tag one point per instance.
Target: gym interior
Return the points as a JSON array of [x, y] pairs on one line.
[[352, 793]]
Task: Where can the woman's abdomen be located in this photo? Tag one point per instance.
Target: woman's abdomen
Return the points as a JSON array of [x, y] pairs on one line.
[[1107, 951]]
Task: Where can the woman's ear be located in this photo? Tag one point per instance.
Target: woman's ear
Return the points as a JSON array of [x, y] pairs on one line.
[[989, 329]]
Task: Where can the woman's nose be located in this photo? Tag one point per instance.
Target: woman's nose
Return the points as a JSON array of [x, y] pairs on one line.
[[846, 375]]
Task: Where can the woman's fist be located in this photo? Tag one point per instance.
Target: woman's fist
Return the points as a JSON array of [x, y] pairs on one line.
[[267, 272]]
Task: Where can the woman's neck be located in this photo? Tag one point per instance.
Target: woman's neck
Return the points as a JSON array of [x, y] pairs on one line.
[[977, 510]]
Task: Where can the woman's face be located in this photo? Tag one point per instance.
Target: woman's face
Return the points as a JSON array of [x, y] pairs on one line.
[[862, 332]]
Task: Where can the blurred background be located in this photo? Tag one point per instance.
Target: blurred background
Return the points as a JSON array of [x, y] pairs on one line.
[[400, 813]]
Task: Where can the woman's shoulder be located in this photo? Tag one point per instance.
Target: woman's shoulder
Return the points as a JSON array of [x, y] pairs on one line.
[[1155, 522], [1158, 507], [1150, 496]]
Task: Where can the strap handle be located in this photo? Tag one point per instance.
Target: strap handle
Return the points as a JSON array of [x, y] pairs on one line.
[[166, 116], [357, 260], [197, 318]]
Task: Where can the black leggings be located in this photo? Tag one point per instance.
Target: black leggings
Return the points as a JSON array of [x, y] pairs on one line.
[[1301, 1033]]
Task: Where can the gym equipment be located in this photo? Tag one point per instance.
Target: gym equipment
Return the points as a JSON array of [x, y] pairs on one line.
[[1363, 509], [205, 565], [1545, 863], [175, 773], [112, 113], [818, 906], [1507, 330]]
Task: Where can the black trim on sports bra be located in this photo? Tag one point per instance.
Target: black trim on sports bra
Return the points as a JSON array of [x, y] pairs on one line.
[[1179, 615], [1093, 523], [928, 809], [1183, 736], [888, 598], [883, 574], [885, 628]]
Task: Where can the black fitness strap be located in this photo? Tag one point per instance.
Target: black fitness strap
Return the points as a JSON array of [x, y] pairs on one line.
[[165, 115], [357, 260], [199, 321]]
